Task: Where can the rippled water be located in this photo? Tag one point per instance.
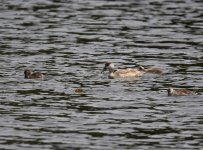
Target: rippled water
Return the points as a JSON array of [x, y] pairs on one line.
[[70, 40]]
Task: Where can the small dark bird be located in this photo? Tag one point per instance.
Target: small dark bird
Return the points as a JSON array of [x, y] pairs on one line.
[[180, 92], [78, 90], [29, 74]]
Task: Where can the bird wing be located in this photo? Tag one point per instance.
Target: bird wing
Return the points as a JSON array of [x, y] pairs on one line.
[[154, 70], [184, 91], [37, 75]]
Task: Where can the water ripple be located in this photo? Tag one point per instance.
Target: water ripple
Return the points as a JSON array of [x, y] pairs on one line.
[[70, 41]]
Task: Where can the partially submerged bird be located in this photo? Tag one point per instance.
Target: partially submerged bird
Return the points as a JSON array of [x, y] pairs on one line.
[[129, 72], [152, 70], [29, 74], [180, 92], [78, 90]]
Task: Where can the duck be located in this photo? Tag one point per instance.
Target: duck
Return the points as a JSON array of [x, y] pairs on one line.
[[151, 70], [29, 74], [122, 73], [180, 92]]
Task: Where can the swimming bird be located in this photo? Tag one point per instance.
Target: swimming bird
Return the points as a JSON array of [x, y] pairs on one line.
[[180, 92], [152, 70], [128, 72], [29, 74], [78, 90]]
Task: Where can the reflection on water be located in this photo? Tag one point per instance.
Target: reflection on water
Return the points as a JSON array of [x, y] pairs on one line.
[[71, 41]]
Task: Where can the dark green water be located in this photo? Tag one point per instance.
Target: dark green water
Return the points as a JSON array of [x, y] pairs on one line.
[[71, 40]]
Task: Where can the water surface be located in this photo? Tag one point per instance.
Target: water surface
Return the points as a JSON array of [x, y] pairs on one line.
[[71, 40]]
